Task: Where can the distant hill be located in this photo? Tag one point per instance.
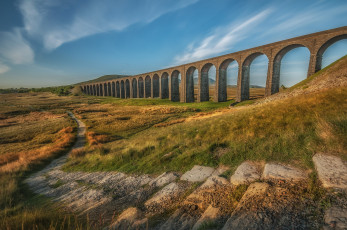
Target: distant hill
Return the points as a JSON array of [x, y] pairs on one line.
[[104, 78], [210, 81]]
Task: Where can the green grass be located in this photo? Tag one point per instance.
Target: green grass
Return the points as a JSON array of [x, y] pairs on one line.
[[201, 106], [290, 131]]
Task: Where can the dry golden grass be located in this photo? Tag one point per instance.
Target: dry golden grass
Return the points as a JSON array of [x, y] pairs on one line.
[[124, 121], [96, 140], [13, 162]]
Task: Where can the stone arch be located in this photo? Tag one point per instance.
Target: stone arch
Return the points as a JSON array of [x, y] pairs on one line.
[[156, 85], [204, 83], [175, 85], [117, 89], [134, 86], [324, 47], [190, 84], [275, 83], [122, 89], [222, 93], [245, 77], [148, 86], [141, 88], [127, 88], [113, 85], [164, 85], [88, 89]]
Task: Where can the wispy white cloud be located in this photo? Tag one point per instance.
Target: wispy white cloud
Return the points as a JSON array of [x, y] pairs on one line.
[[14, 49], [3, 68], [289, 23], [60, 22], [221, 39]]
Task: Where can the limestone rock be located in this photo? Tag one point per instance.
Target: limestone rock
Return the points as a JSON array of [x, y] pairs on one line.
[[246, 173], [180, 220], [336, 218], [220, 170], [163, 179], [332, 172], [127, 218], [282, 172], [214, 180], [197, 173], [241, 220], [211, 214], [166, 194]]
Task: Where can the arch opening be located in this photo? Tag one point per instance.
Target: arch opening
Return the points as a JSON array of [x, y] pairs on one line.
[[122, 89], [113, 89], [105, 90], [148, 88], [109, 89], [94, 90], [101, 93], [175, 85], [254, 75], [282, 75], [207, 82], [290, 67], [134, 86], [141, 88], [117, 89], [127, 88], [164, 85], [190, 94], [331, 51], [227, 81], [156, 86]]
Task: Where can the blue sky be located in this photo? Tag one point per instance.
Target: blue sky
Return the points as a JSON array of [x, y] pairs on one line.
[[58, 42]]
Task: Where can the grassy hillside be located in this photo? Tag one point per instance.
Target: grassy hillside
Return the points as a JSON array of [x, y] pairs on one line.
[[104, 78], [290, 129]]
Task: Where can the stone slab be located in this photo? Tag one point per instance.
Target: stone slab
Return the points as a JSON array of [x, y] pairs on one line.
[[197, 173], [273, 171], [211, 214], [247, 172], [332, 172]]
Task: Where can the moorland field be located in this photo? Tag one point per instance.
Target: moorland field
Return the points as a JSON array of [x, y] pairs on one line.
[[153, 136]]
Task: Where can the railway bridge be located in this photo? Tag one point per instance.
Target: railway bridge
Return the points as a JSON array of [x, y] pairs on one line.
[[165, 83]]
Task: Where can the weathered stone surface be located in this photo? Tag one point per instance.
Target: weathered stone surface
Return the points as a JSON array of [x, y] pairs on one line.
[[239, 220], [220, 170], [332, 172], [179, 220], [166, 194], [163, 179], [335, 218], [197, 173], [282, 172], [127, 218], [246, 173], [213, 181], [210, 215]]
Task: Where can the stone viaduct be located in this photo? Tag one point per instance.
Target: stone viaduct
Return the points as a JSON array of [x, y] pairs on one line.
[[165, 83]]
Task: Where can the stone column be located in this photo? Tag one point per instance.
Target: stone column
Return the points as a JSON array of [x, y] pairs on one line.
[[314, 65], [217, 86], [272, 83]]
